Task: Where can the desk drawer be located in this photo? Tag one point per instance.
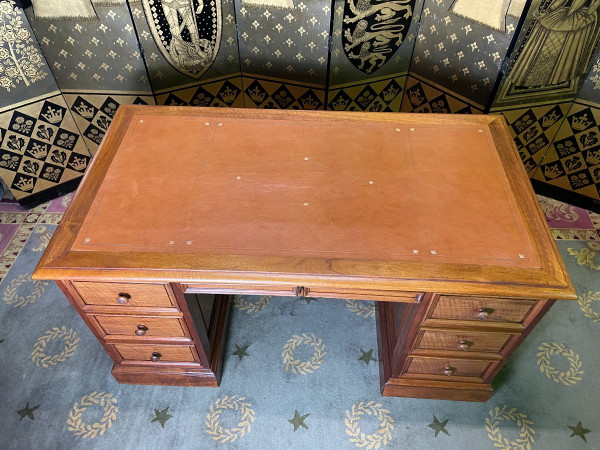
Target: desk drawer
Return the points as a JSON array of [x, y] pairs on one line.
[[294, 291], [461, 341], [155, 353], [448, 367], [365, 294], [480, 309], [142, 326], [242, 289], [125, 294]]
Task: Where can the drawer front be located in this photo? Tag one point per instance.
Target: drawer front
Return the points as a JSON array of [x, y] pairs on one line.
[[448, 367], [293, 291], [480, 309], [125, 294], [461, 341], [162, 353], [365, 294], [242, 289], [141, 326]]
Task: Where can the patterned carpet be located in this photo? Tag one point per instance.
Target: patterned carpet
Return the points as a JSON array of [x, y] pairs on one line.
[[299, 373]]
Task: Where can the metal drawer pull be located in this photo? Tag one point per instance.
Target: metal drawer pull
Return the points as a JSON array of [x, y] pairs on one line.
[[465, 346], [300, 291], [419, 297], [484, 313], [155, 356], [123, 298], [449, 371], [141, 330]]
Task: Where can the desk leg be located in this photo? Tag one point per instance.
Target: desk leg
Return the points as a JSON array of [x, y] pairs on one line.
[[398, 326]]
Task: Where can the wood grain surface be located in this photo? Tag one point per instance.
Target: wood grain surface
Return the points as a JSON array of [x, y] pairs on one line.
[[435, 366], [152, 326], [467, 308], [143, 352], [455, 341], [137, 294]]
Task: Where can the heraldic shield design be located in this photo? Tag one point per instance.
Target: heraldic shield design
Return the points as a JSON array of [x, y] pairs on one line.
[[187, 32], [374, 29]]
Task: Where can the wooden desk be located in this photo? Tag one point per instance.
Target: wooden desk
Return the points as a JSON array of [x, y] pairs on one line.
[[430, 215]]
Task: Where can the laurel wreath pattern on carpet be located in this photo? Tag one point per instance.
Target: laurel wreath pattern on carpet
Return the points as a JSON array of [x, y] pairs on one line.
[[585, 303], [233, 402], [13, 295], [568, 378], [83, 430], [369, 441], [303, 367], [361, 308], [496, 415], [40, 358], [251, 307]]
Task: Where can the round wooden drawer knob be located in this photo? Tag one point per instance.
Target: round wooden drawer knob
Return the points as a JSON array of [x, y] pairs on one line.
[[155, 356], [123, 299], [464, 346], [141, 330], [449, 371], [483, 314]]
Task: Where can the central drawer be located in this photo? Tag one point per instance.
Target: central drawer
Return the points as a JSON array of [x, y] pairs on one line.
[[448, 367], [155, 353], [480, 309], [142, 326]]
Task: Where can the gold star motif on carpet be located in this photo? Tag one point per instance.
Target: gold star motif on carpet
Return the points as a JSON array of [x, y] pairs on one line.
[[578, 430], [240, 352], [28, 412], [298, 420], [367, 357], [161, 416], [438, 426]]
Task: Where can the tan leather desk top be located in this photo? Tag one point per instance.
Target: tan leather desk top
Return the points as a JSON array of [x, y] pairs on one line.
[[256, 188]]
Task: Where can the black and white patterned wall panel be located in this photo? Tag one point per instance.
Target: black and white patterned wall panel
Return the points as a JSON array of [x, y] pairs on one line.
[[42, 152], [284, 51], [95, 59]]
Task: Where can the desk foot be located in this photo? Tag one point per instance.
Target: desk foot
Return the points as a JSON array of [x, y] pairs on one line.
[[466, 392], [164, 376]]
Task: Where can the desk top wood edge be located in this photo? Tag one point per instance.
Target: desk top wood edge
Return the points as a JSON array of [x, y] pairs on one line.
[[550, 280]]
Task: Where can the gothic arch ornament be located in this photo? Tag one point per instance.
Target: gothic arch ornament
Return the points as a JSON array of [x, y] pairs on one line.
[[187, 32]]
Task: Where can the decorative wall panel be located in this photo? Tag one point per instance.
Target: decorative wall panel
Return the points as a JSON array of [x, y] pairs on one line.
[[545, 72], [284, 50], [191, 51], [459, 52], [525, 59], [95, 60], [372, 45], [570, 169], [42, 153]]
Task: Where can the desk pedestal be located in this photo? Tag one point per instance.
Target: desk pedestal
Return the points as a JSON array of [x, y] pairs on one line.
[[450, 347]]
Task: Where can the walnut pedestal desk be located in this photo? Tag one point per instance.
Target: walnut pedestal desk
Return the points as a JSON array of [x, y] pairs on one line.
[[431, 216]]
